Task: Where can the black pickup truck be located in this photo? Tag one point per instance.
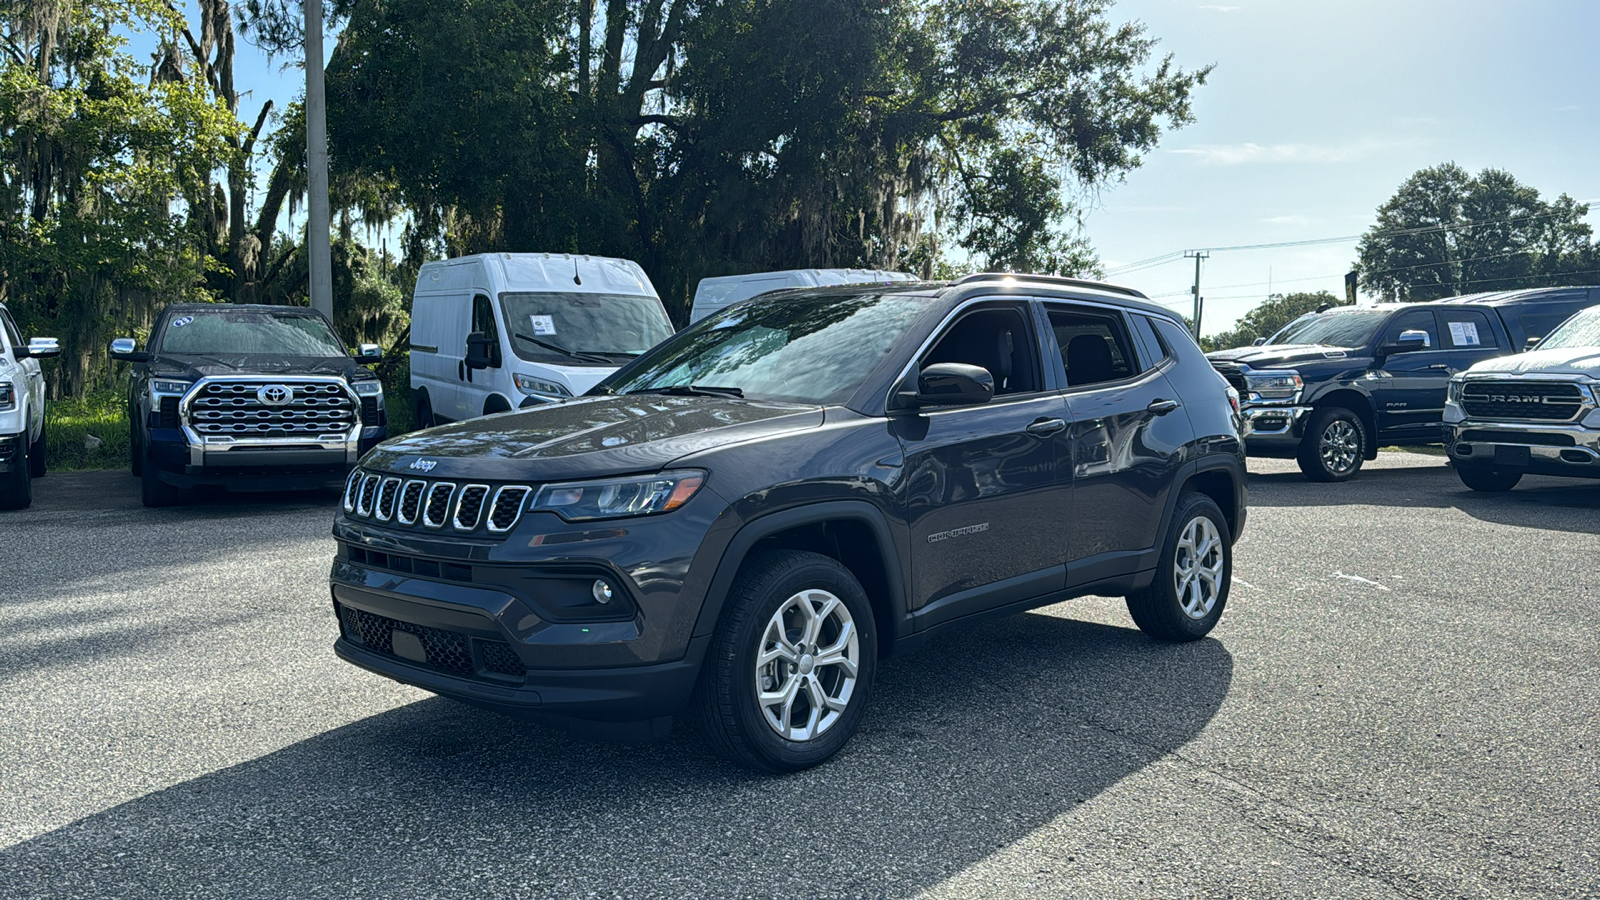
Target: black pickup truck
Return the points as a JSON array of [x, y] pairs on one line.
[[1335, 385], [247, 397]]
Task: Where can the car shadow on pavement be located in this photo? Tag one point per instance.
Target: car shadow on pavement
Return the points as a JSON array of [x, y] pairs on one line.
[[972, 742], [1559, 504]]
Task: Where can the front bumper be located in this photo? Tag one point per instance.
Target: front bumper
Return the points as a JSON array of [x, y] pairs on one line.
[[11, 451], [1271, 430], [1566, 449]]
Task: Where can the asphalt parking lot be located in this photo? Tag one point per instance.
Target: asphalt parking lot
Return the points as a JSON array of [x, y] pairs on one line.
[[1399, 702]]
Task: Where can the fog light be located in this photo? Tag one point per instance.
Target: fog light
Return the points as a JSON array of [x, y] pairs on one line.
[[602, 591]]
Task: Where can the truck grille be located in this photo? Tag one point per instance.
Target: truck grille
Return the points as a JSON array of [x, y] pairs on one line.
[[446, 651], [436, 505], [1550, 401], [1234, 375], [245, 409]]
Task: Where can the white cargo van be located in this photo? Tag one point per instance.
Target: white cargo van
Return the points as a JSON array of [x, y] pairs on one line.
[[500, 331], [714, 294]]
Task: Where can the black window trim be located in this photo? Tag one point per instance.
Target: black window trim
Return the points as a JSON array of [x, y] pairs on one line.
[[1440, 348], [1023, 303], [1061, 363]]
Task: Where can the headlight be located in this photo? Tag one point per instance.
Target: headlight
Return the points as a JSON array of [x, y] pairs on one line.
[[1453, 395], [367, 388], [642, 495], [8, 395], [1274, 385], [535, 387], [162, 386]]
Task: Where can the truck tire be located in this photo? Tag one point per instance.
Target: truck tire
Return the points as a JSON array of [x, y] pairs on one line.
[[155, 492], [1193, 575], [36, 461], [1334, 445], [16, 487], [1487, 478], [135, 449], [788, 674]]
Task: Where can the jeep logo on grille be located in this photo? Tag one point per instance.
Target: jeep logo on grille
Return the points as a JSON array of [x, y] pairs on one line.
[[424, 465], [275, 395]]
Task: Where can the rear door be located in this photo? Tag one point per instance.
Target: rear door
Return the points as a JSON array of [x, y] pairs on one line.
[[986, 498], [1126, 438], [1469, 336], [1411, 386]]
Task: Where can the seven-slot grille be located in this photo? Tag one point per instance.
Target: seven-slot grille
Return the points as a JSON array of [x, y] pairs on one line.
[[1234, 376], [1550, 401], [436, 505], [240, 409]]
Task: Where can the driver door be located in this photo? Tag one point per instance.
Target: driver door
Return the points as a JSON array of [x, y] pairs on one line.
[[1411, 400]]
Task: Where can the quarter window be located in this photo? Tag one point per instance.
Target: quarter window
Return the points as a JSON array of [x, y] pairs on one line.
[[1094, 346], [1467, 329]]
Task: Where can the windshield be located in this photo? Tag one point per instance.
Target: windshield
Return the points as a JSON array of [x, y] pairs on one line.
[[1346, 328], [235, 332], [576, 329], [797, 349], [1582, 330]]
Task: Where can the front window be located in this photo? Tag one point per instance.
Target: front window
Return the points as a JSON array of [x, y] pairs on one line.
[[1347, 328], [1582, 330], [577, 329], [796, 349], [241, 332]]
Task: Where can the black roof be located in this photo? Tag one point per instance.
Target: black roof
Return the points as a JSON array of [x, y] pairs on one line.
[[989, 282], [251, 307], [1525, 295]]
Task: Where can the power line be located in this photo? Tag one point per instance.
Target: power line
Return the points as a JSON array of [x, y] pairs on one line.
[[1429, 265], [1482, 282]]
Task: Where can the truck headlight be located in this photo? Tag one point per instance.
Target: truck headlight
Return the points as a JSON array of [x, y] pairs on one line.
[[163, 386], [1453, 393], [615, 498], [1273, 385], [8, 396], [537, 387], [367, 388]]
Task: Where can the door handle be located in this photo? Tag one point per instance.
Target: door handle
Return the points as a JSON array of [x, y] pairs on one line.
[[1440, 368], [1162, 407], [1046, 427]]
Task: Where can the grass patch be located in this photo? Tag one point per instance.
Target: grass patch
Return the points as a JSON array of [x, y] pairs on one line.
[[87, 433]]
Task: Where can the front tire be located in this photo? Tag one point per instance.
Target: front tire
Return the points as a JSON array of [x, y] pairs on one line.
[[153, 491], [787, 677], [16, 489], [1334, 445], [1487, 479], [1192, 578], [36, 461], [424, 411]]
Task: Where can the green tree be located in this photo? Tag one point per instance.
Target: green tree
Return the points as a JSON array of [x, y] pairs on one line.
[[702, 137], [1445, 233], [1268, 318]]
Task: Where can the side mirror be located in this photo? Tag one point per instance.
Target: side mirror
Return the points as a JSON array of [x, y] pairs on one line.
[[1531, 342], [126, 349], [1409, 342], [44, 348], [369, 353], [481, 351], [1258, 342], [953, 384]]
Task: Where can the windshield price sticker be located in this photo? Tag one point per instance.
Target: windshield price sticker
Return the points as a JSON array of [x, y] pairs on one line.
[[1465, 334], [543, 324], [180, 322]]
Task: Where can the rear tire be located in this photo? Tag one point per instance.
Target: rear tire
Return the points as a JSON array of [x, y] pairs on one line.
[[1193, 575], [16, 488], [1334, 445], [155, 492], [1487, 479], [789, 672], [424, 411], [36, 461]]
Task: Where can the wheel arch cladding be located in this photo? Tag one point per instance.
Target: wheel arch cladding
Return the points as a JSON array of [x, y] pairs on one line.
[[1361, 405], [1218, 485]]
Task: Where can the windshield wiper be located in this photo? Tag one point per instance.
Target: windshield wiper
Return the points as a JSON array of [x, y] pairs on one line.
[[575, 354], [693, 390]]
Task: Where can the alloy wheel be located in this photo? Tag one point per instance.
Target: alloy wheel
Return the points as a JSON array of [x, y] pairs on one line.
[[806, 666], [1197, 567], [1340, 446]]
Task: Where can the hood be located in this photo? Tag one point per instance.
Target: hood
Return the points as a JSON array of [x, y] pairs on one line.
[[191, 367], [1273, 355], [589, 437], [1566, 361]]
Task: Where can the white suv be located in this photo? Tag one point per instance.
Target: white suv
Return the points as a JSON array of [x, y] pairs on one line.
[[21, 412]]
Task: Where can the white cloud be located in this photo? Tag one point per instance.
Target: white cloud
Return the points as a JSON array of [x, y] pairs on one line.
[[1287, 220], [1248, 153], [1220, 9]]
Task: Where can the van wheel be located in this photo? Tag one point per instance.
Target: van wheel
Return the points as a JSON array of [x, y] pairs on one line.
[[1489, 480], [1190, 589], [788, 674], [1334, 446], [36, 456], [16, 488], [424, 410]]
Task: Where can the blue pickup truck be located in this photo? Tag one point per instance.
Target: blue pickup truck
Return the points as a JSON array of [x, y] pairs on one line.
[[1335, 385]]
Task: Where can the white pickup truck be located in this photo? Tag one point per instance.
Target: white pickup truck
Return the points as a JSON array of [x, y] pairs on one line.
[[21, 412], [1536, 412]]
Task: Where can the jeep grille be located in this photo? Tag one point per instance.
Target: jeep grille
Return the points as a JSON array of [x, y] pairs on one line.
[[434, 505]]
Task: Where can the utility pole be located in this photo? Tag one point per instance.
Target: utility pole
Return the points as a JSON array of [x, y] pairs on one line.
[[317, 242], [1199, 304]]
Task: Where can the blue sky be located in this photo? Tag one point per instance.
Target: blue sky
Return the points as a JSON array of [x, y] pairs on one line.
[[1315, 114]]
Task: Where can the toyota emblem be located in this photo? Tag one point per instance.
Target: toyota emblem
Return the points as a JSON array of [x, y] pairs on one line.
[[275, 395]]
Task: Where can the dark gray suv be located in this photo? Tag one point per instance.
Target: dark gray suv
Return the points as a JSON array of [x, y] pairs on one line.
[[741, 523]]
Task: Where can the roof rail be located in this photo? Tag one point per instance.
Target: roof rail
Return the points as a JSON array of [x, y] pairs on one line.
[[1052, 279]]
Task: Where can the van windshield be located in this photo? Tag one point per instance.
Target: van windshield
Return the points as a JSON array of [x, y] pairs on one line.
[[580, 329], [1349, 328], [243, 332]]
